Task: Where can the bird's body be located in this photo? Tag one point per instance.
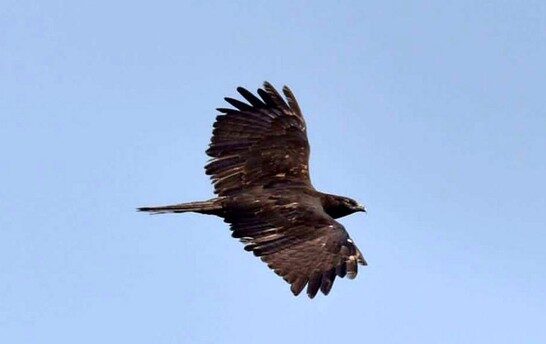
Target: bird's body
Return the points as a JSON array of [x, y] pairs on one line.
[[260, 171]]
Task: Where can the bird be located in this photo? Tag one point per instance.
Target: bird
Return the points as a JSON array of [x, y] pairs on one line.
[[259, 165]]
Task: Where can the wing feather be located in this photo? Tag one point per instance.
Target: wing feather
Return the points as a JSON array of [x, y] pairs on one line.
[[252, 99], [298, 241], [292, 102], [238, 104], [268, 138]]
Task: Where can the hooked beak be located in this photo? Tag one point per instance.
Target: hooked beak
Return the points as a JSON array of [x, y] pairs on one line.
[[361, 208]]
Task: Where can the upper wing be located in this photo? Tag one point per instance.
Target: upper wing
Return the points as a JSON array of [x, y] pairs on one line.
[[299, 242], [262, 142]]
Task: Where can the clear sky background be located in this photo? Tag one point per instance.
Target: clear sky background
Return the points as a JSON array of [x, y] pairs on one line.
[[433, 114]]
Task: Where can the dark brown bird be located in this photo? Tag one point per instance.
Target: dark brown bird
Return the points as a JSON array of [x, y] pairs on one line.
[[260, 171]]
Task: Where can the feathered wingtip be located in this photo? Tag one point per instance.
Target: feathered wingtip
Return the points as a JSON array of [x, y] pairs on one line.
[[272, 96], [292, 102]]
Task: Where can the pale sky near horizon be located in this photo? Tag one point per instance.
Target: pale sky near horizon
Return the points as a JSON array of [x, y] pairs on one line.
[[431, 113]]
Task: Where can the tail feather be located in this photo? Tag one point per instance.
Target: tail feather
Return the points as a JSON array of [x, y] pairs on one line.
[[212, 206]]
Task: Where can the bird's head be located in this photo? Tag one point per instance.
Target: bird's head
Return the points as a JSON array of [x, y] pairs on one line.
[[339, 206], [353, 205]]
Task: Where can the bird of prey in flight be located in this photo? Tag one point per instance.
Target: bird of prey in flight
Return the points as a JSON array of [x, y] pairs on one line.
[[260, 169]]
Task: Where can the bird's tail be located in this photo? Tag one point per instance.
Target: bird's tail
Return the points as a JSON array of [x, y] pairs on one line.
[[211, 207]]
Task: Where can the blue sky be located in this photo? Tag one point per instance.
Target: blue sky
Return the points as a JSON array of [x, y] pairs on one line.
[[432, 114]]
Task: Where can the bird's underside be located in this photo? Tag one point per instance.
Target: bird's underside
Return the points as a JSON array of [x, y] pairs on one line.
[[260, 171]]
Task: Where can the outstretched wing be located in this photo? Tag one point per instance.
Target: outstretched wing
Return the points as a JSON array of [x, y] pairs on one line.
[[262, 142], [299, 241]]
